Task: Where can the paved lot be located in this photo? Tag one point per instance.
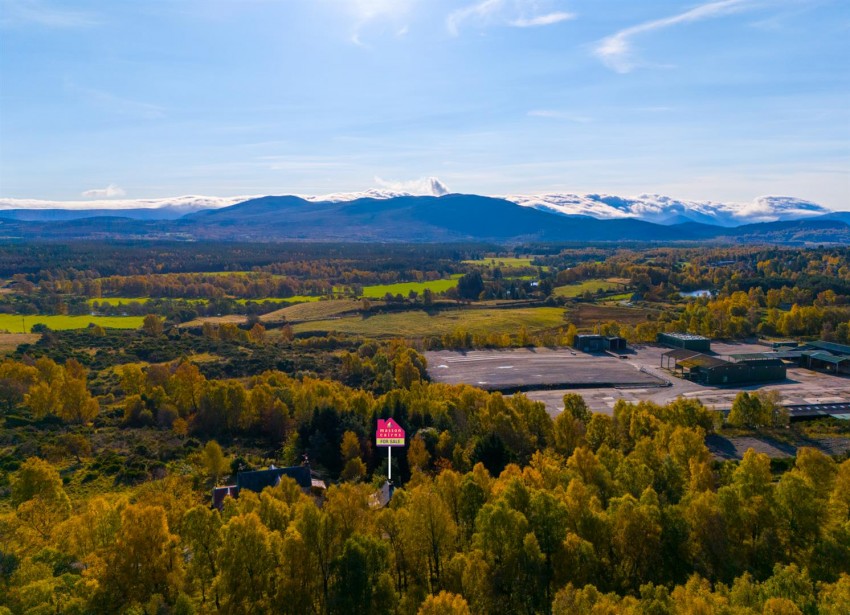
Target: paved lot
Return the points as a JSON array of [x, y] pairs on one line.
[[524, 369], [608, 378]]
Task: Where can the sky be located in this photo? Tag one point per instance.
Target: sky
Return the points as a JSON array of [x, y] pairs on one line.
[[724, 100]]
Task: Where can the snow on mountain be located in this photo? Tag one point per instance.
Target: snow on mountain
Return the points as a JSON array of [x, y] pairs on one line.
[[340, 197], [189, 203], [648, 207], [666, 210], [425, 186]]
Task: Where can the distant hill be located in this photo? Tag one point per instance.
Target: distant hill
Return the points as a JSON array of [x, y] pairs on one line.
[[452, 217]]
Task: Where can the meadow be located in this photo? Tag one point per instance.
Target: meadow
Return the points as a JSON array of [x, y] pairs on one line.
[[419, 323], [379, 291], [592, 286], [15, 323]]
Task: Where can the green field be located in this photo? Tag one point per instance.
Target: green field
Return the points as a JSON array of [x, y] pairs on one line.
[[379, 291], [14, 323], [419, 323], [504, 262], [576, 290]]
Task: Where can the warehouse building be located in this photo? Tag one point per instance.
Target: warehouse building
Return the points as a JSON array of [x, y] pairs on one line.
[[685, 340], [615, 344], [589, 343], [711, 370]]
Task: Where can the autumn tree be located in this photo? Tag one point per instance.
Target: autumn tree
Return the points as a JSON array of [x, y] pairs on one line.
[[145, 559], [214, 462], [152, 325], [353, 469], [444, 603]]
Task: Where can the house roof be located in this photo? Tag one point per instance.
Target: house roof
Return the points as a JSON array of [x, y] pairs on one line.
[[219, 493], [260, 479]]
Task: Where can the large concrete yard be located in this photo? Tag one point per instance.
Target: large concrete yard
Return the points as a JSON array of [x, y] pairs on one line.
[[603, 379], [524, 369]]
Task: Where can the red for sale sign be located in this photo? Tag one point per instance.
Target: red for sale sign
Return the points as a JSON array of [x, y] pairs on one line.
[[389, 433]]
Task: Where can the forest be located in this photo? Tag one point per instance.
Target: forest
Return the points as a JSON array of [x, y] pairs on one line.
[[111, 440]]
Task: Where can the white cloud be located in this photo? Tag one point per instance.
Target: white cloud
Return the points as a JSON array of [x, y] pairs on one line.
[[111, 191], [516, 13], [366, 12], [422, 186], [34, 12], [559, 115], [542, 20], [615, 51]]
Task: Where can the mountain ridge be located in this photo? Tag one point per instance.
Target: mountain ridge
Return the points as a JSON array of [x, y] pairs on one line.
[[655, 208], [424, 219]]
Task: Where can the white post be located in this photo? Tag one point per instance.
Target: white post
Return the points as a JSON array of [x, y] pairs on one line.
[[389, 463]]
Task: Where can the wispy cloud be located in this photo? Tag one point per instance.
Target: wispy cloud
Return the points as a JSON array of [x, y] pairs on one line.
[[542, 20], [553, 114], [111, 191], [615, 51], [34, 12], [515, 13], [116, 104], [366, 12]]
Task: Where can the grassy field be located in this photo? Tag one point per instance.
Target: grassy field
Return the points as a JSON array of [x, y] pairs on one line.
[[576, 290], [419, 323], [14, 324], [9, 342], [315, 311], [504, 262], [380, 290], [586, 314]]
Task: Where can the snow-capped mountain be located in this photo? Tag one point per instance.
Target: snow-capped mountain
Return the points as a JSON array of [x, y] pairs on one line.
[[188, 203], [666, 210], [426, 186], [654, 208]]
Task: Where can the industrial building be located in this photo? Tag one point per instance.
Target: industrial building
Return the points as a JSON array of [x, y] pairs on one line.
[[824, 356], [685, 340], [712, 370], [615, 344], [589, 343], [597, 343]]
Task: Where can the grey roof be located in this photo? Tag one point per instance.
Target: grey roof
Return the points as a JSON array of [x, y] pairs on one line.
[[686, 336], [260, 479], [762, 358], [828, 358], [831, 347]]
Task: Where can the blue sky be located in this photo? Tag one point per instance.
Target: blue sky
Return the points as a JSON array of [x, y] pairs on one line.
[[723, 100]]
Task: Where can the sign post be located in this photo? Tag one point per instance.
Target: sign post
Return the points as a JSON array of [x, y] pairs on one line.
[[389, 434]]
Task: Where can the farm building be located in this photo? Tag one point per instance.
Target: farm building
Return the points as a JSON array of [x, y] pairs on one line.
[[589, 343], [711, 370], [685, 340]]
